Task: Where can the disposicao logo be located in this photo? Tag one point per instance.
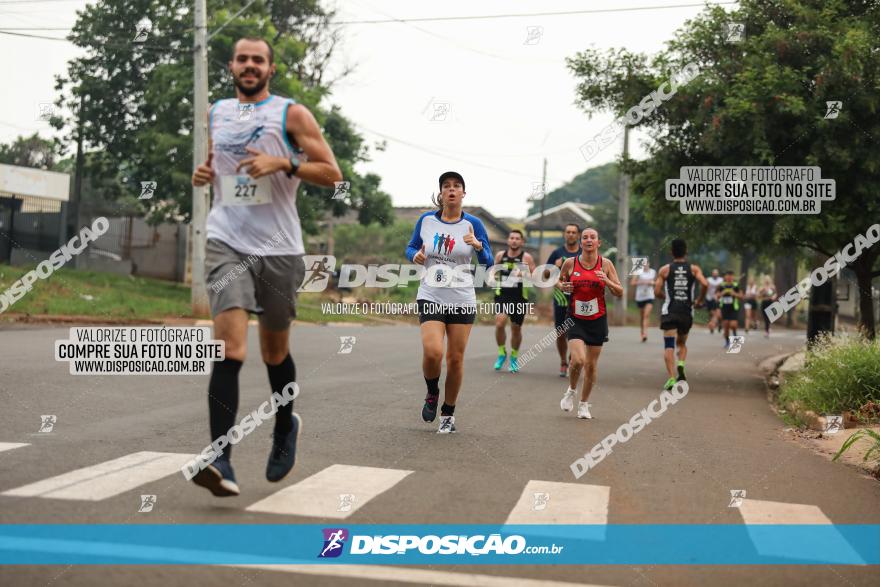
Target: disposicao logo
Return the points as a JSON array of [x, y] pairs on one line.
[[334, 541]]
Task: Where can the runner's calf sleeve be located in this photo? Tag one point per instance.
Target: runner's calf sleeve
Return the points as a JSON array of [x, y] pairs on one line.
[[669, 342], [433, 385], [279, 376], [447, 410], [223, 399]]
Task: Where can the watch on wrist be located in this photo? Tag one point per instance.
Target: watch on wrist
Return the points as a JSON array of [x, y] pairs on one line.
[[294, 165]]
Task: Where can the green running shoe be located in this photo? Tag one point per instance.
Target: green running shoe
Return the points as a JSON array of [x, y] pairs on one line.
[[670, 383]]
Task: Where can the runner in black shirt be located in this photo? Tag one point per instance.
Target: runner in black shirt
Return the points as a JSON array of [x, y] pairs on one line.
[[571, 248], [511, 298], [675, 283]]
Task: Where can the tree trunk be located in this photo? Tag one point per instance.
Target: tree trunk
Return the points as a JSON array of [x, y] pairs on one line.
[[785, 276], [862, 268]]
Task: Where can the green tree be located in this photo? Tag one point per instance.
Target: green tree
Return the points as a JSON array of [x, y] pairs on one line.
[[356, 243], [33, 151], [137, 97], [594, 186], [598, 187], [760, 101]]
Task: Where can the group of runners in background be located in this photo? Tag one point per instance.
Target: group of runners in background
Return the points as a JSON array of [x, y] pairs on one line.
[[579, 308], [579, 297]]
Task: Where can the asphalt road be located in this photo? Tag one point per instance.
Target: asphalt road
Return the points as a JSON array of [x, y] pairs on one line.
[[362, 409]]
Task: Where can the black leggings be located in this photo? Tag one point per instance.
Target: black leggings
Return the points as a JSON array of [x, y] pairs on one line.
[[764, 305]]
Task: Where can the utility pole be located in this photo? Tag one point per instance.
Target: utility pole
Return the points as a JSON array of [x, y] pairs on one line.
[[543, 196], [623, 235], [74, 204], [200, 153]]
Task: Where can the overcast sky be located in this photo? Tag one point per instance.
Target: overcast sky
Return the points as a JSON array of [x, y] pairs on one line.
[[498, 88]]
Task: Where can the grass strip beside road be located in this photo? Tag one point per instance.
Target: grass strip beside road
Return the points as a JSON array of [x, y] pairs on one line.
[[74, 292]]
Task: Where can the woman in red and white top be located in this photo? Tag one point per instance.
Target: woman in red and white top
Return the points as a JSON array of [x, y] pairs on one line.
[[585, 277]]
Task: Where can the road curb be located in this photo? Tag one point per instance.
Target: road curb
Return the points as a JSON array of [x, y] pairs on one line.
[[815, 437]]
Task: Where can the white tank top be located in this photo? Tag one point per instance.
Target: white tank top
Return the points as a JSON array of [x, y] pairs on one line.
[[645, 285], [714, 282], [250, 228]]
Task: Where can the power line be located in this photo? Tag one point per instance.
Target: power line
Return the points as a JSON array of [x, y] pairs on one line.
[[35, 1], [441, 154], [525, 14], [425, 19], [6, 32]]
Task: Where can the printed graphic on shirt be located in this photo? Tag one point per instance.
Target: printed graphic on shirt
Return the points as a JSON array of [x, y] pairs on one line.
[[446, 250]]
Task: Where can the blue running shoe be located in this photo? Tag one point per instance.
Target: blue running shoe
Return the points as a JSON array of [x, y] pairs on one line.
[[514, 365], [283, 454], [500, 362], [218, 478], [429, 410]]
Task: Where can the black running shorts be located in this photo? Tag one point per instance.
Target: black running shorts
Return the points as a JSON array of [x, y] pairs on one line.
[[680, 322], [513, 306], [592, 332], [643, 303], [711, 305], [560, 313], [728, 312], [446, 313]]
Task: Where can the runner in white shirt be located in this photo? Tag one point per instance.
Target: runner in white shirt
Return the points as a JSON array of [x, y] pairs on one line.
[[767, 294], [711, 303], [644, 284], [750, 303], [259, 148]]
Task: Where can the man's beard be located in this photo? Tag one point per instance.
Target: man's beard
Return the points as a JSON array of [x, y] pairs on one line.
[[252, 91]]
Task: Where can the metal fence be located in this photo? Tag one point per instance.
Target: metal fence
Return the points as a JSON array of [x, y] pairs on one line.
[[29, 228]]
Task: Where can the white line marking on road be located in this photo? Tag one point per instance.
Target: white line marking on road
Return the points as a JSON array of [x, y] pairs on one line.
[[11, 445], [416, 576], [756, 513], [549, 502], [105, 479], [321, 495]]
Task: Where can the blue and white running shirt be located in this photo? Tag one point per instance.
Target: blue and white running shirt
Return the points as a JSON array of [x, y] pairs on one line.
[[444, 245]]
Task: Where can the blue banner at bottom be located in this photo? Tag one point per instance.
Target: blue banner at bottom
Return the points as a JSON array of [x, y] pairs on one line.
[[650, 544]]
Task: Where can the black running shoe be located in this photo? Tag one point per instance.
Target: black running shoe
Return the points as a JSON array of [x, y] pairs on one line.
[[681, 376], [283, 454], [429, 410], [218, 478]]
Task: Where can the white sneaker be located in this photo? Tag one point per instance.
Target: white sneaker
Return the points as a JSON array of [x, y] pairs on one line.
[[447, 425], [567, 403], [584, 410]]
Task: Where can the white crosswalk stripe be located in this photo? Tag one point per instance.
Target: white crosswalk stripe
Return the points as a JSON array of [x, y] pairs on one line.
[[413, 575], [4, 446], [549, 502], [106, 479], [335, 492], [756, 512]]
